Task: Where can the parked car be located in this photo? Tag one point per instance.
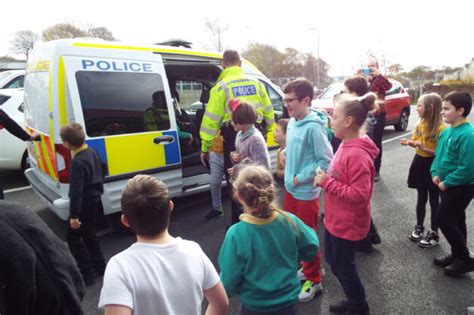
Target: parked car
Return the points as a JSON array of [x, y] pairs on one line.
[[13, 153], [397, 103], [12, 79]]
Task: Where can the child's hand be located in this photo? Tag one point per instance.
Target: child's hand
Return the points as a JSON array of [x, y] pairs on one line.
[[74, 224], [441, 186], [436, 180], [320, 177], [235, 157], [296, 181], [404, 141], [231, 171]]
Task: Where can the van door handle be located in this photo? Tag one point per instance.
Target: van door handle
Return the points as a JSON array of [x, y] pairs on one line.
[[163, 140]]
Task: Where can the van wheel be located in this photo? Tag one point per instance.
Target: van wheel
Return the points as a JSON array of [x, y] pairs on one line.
[[402, 124], [24, 162]]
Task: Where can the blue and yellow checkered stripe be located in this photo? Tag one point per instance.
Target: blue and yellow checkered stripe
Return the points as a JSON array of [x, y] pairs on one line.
[[136, 152]]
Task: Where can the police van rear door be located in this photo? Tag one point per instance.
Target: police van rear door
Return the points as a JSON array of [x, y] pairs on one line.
[[127, 112]]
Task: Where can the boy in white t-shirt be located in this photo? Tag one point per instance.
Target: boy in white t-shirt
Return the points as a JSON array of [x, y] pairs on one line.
[[159, 274]]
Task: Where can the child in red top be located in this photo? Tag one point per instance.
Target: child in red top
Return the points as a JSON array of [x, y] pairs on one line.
[[348, 187]]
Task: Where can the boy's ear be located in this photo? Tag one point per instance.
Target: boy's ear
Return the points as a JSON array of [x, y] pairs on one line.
[[460, 111], [124, 221], [171, 205]]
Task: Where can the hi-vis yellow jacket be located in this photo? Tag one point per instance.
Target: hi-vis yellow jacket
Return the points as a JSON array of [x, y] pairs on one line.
[[233, 83]]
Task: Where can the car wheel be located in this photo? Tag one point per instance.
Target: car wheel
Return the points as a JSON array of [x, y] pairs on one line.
[[402, 124], [24, 162]]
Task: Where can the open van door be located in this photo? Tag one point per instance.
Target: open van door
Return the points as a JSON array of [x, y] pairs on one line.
[[126, 108]]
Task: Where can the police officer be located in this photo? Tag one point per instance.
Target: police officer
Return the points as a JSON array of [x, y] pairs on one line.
[[232, 83], [11, 126]]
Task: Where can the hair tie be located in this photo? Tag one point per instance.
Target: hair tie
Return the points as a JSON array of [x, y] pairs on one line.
[[234, 104]]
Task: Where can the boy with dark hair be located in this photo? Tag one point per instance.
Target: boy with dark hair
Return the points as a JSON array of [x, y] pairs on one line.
[[159, 274], [453, 172], [85, 188], [307, 148]]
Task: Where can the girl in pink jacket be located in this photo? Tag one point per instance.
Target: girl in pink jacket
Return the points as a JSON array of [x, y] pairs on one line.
[[348, 187]]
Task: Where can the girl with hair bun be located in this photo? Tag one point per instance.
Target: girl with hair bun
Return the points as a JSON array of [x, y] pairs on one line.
[[348, 187], [260, 255]]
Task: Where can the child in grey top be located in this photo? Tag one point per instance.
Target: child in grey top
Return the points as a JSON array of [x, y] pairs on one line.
[[249, 142]]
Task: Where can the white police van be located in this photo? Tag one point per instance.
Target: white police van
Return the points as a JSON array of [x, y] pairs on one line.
[[108, 87]]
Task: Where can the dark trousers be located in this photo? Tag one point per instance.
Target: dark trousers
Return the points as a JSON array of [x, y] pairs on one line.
[[421, 206], [340, 255], [452, 218], [377, 138], [289, 310], [83, 242], [229, 134], [371, 236]]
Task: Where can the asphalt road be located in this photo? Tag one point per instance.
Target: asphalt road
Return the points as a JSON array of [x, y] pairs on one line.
[[399, 277]]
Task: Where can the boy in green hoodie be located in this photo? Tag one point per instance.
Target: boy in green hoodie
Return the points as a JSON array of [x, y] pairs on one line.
[[453, 172], [307, 149]]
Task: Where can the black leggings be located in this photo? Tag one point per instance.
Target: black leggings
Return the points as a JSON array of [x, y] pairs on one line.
[[421, 206]]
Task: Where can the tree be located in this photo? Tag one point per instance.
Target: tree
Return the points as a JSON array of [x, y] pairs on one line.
[[23, 42], [293, 63], [217, 29], [395, 70], [266, 58], [101, 32], [62, 30]]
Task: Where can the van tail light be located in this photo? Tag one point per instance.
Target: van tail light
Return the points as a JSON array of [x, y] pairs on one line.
[[63, 161]]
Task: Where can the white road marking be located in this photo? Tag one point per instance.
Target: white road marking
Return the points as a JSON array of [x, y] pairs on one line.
[[17, 189], [397, 137]]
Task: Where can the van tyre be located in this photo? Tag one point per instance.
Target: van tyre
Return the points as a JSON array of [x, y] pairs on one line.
[[402, 124]]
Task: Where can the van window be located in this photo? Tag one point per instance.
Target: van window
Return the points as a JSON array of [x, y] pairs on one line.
[[189, 93], [122, 103], [276, 99], [36, 101]]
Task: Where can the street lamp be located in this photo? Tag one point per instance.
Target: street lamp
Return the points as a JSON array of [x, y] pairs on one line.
[[318, 81]]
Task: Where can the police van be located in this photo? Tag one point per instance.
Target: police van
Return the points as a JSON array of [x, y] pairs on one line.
[[110, 88]]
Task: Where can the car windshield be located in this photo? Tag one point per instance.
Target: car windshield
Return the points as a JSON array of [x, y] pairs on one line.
[[332, 90]]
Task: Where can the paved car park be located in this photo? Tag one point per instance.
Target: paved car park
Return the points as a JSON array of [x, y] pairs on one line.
[[399, 276]]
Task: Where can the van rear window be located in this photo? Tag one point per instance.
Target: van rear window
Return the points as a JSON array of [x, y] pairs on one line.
[[122, 103]]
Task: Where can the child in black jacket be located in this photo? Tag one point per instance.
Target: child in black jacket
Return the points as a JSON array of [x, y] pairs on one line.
[[85, 188]]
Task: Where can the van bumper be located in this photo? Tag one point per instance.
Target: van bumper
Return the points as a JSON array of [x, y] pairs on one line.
[[56, 202]]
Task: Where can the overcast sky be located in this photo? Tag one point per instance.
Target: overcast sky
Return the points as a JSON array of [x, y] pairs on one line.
[[415, 32]]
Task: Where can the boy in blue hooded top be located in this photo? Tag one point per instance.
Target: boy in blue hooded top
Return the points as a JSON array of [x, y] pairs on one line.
[[307, 149]]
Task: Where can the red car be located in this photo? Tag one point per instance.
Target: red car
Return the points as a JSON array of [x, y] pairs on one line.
[[397, 103]]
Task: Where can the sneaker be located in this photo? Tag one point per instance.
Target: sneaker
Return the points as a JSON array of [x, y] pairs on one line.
[[309, 289], [365, 246], [214, 214], [417, 234], [340, 308], [430, 240], [377, 177], [459, 267], [301, 275], [444, 261]]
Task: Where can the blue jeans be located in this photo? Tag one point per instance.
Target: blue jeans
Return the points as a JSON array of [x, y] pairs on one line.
[[340, 255]]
